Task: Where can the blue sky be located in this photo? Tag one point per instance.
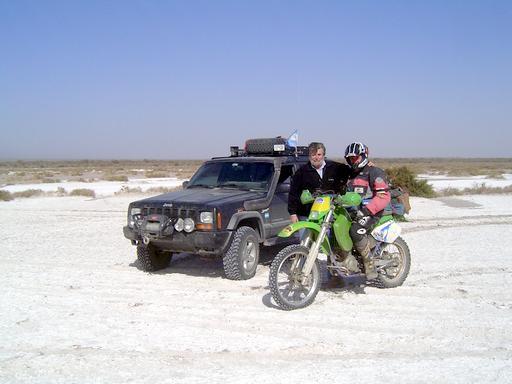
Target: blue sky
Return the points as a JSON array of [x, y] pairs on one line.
[[187, 79]]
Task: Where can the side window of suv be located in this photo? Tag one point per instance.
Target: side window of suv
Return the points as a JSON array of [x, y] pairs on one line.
[[286, 173]]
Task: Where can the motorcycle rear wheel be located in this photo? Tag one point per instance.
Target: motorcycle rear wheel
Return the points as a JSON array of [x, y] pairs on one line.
[[394, 275], [286, 286]]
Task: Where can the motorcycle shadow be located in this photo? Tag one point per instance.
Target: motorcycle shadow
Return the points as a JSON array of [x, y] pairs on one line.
[[355, 284]]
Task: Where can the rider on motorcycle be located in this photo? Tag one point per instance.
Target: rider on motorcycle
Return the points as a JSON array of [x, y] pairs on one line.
[[371, 183]]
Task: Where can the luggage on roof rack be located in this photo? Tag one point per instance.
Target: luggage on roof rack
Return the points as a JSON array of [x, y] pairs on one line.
[[275, 146], [267, 145]]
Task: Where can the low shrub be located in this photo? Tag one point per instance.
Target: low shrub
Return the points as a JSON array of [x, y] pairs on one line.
[[28, 193], [126, 189], [116, 178], [478, 189], [154, 174], [495, 175], [163, 189], [5, 195], [450, 192], [49, 180], [82, 192]]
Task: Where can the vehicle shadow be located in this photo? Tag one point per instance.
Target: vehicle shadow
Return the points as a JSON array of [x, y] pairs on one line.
[[208, 266], [191, 265]]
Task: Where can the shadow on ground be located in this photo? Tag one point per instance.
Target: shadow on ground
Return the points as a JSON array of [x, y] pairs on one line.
[[353, 284], [209, 266]]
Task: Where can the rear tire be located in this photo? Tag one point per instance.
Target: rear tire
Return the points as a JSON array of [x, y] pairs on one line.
[[287, 291], [394, 275], [152, 259]]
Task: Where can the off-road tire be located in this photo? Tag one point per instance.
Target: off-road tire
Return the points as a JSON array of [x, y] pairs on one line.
[[274, 283], [404, 267], [241, 259], [152, 259]]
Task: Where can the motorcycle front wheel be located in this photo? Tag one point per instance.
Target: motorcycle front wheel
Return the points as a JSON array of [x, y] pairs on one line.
[[290, 290]]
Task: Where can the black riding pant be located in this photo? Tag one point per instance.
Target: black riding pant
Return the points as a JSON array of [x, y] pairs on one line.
[[358, 232]]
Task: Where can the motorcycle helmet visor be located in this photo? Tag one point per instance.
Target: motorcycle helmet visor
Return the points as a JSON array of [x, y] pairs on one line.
[[353, 159]]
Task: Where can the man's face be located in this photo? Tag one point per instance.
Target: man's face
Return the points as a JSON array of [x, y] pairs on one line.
[[317, 158]]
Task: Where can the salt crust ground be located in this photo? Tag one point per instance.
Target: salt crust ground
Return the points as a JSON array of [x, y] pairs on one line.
[[75, 308], [440, 182], [101, 188]]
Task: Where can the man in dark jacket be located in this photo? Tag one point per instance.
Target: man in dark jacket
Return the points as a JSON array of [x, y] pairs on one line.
[[317, 174]]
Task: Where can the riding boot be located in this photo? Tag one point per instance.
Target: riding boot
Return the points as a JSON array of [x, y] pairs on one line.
[[347, 260], [350, 263], [363, 247]]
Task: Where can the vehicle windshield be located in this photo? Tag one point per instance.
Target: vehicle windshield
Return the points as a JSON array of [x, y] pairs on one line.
[[233, 174]]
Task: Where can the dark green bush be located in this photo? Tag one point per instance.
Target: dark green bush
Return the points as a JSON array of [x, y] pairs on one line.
[[405, 178]]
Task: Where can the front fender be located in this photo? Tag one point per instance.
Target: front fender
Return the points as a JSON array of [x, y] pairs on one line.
[[292, 228], [240, 217], [341, 229]]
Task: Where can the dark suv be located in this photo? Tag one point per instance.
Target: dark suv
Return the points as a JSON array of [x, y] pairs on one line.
[[230, 207]]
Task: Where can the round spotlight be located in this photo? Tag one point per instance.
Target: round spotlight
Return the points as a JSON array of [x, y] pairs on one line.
[[189, 225], [179, 225]]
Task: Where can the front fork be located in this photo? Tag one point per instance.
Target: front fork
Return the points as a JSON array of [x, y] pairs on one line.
[[315, 248]]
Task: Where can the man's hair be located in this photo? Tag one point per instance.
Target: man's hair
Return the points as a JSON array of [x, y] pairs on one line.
[[314, 147]]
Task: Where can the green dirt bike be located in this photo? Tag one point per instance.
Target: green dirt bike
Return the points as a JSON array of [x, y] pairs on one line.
[[295, 272]]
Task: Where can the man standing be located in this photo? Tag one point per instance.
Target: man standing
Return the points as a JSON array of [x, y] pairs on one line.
[[317, 174]]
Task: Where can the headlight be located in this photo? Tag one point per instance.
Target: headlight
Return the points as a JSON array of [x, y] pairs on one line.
[[313, 215], [179, 225], [133, 213], [206, 217], [189, 225]]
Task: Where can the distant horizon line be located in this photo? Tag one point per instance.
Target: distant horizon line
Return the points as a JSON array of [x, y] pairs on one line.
[[9, 160]]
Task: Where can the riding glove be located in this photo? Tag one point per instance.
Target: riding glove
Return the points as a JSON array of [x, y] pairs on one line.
[[363, 216]]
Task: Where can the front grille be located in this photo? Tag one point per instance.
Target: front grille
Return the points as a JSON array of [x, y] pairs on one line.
[[170, 212]]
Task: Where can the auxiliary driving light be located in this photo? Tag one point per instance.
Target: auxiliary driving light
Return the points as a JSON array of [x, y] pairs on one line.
[[179, 225], [189, 225]]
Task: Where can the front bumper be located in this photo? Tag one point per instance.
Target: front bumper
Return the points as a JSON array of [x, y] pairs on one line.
[[198, 242]]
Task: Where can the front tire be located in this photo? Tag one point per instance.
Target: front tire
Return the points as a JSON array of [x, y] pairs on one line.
[[152, 259], [394, 275], [241, 259], [285, 280]]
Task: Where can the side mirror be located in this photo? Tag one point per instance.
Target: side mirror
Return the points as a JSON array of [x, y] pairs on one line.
[[185, 184]]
